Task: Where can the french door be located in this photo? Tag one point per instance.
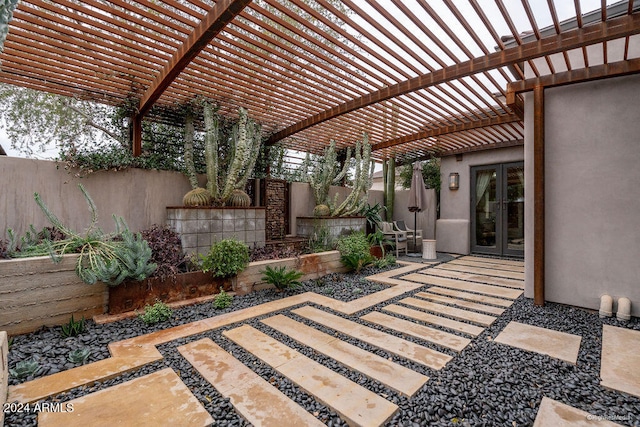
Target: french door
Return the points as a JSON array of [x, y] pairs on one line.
[[497, 209]]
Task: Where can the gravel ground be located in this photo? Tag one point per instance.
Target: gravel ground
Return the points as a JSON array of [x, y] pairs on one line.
[[486, 384]]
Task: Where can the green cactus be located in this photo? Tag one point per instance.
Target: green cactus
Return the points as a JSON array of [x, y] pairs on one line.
[[325, 174], [197, 197], [244, 150], [363, 179]]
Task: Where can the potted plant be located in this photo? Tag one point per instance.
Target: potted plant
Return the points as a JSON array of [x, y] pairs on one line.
[[377, 241]]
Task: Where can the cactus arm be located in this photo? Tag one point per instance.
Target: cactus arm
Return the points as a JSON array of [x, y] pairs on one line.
[[254, 140], [345, 167], [241, 153], [189, 132], [211, 124]]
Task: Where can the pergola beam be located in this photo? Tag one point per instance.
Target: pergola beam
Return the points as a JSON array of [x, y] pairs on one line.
[[493, 145], [596, 72], [210, 26], [445, 130], [597, 33], [215, 21]]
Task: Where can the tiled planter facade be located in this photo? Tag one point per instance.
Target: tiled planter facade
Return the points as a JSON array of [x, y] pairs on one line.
[[200, 227], [306, 226]]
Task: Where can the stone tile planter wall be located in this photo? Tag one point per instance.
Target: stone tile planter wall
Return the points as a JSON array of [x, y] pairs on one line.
[[202, 226], [35, 292], [336, 227]]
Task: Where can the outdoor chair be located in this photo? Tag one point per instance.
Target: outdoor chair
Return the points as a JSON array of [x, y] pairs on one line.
[[399, 238], [400, 225]]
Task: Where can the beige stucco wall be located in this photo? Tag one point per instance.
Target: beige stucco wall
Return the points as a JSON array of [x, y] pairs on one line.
[[592, 176], [140, 196], [453, 227]]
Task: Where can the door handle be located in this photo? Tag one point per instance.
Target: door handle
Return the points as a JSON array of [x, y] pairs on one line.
[[504, 205]]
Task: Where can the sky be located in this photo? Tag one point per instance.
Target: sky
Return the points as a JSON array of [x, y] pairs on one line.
[[565, 9]]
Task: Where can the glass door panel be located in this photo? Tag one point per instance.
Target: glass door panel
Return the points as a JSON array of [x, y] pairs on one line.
[[513, 233], [485, 204], [497, 209]]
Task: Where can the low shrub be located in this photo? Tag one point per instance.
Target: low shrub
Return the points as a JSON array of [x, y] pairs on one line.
[[385, 261], [282, 278], [222, 300], [226, 258], [356, 261], [354, 251], [156, 313], [166, 250]]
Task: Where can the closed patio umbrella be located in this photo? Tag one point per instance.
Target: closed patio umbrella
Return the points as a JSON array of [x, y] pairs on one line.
[[417, 196]]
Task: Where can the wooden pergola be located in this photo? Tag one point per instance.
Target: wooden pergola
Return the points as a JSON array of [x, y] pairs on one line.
[[423, 78]]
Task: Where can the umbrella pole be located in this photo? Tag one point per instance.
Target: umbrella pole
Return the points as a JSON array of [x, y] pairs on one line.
[[415, 222]]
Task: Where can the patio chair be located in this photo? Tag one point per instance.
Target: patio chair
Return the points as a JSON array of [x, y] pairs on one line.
[[399, 238], [400, 225]]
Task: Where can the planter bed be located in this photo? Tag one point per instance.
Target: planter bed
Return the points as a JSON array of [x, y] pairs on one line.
[[35, 292]]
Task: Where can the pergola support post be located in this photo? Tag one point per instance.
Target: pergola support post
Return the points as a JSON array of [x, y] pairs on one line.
[[538, 191], [136, 138]]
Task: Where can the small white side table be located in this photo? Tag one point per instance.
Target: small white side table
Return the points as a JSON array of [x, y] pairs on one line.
[[429, 249]]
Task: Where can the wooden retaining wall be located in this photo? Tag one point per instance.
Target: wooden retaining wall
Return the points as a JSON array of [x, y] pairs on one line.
[[36, 292], [312, 265], [4, 372]]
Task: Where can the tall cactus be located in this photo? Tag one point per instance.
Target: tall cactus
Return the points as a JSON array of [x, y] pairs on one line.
[[363, 179], [324, 174], [244, 150]]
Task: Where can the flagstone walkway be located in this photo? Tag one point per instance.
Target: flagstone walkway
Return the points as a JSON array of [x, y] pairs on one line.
[[466, 296]]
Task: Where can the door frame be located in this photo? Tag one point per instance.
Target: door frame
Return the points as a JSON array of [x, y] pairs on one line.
[[501, 247]]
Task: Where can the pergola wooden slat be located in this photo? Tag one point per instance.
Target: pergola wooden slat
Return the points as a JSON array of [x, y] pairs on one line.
[[422, 78]]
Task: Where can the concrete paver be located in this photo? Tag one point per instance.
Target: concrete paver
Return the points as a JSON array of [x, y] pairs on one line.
[[357, 405], [461, 303], [432, 335], [398, 346], [558, 345], [435, 320], [620, 366], [480, 278], [481, 264], [456, 313], [485, 271], [253, 398], [471, 297], [394, 376], [557, 414], [461, 285], [158, 399], [488, 260]]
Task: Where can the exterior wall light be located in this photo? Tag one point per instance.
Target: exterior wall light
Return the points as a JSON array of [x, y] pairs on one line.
[[454, 181]]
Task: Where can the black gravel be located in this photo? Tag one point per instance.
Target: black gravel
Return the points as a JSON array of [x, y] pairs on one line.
[[486, 384]]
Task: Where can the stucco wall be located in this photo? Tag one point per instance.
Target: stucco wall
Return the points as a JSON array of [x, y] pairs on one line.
[[140, 196], [592, 176], [453, 227]]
